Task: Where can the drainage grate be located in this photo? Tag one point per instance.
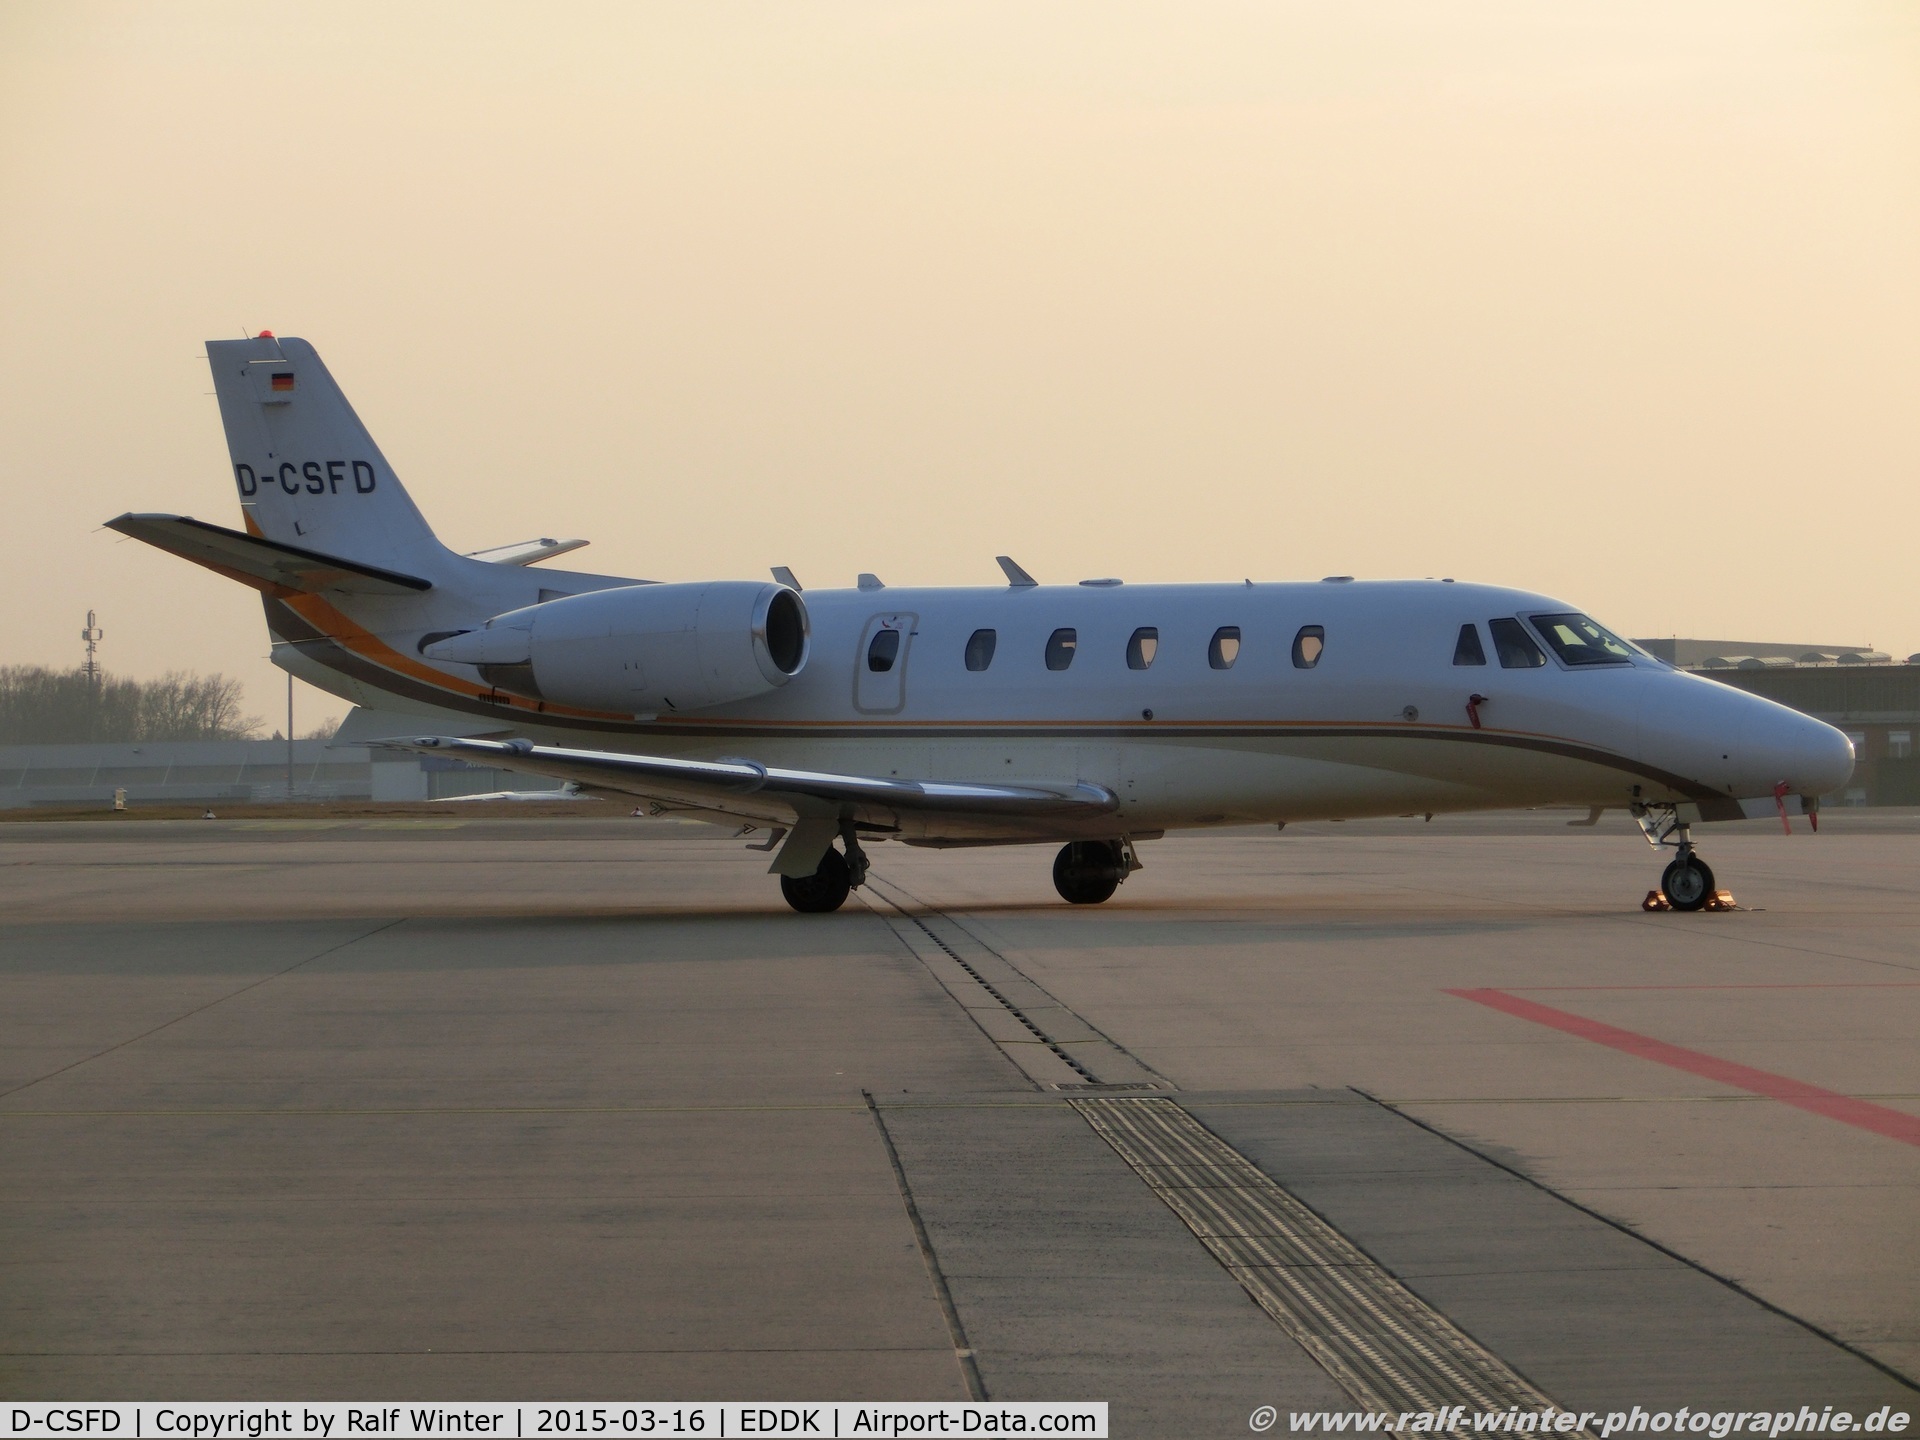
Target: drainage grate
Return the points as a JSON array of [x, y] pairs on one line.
[[1386, 1346], [1087, 1052]]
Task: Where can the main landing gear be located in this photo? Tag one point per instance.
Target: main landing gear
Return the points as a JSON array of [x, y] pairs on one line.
[[1085, 872], [1089, 871], [1686, 883], [836, 877], [822, 892]]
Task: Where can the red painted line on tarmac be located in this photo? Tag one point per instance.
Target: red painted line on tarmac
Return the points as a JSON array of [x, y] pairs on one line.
[[1862, 1115], [1811, 985]]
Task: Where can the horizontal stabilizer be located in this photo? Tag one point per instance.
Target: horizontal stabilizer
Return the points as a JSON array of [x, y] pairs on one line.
[[754, 791], [526, 552], [264, 564]]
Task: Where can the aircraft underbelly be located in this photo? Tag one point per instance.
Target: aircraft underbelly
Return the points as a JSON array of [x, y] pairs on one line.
[[1234, 781]]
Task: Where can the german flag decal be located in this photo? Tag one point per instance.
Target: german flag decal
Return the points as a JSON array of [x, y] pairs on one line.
[[282, 381]]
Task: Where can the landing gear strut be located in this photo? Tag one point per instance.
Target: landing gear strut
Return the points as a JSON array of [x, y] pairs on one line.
[[1687, 882], [1089, 871]]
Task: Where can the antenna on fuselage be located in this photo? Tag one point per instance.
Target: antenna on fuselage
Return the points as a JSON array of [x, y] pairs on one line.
[[1016, 577]]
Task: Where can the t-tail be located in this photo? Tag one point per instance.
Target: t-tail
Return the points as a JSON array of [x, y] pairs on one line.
[[354, 580], [307, 471]]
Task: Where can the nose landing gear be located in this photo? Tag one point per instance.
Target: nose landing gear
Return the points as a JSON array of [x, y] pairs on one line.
[[1687, 883]]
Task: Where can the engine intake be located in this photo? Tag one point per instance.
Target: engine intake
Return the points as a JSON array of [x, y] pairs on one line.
[[642, 648]]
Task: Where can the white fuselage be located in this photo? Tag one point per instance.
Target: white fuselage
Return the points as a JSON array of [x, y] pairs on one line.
[[1380, 724]]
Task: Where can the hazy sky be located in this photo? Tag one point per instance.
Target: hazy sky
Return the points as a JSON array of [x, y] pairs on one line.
[[1620, 301]]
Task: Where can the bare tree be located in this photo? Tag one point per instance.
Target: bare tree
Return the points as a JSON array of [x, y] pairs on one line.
[[41, 706]]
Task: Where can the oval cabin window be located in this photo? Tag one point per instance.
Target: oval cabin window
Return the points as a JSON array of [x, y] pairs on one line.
[[882, 650], [1060, 647], [980, 649], [1308, 646], [1142, 645], [1224, 648]]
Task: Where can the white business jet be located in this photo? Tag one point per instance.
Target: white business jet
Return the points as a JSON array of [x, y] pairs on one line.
[[1094, 716]]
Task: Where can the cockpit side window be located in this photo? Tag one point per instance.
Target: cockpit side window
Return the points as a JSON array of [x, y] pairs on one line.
[[1466, 650], [1514, 646], [1578, 641]]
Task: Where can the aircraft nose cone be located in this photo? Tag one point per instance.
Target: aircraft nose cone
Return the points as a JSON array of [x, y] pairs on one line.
[[1812, 757]]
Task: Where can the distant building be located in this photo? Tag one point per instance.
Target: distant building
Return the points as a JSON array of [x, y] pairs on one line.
[[1734, 654], [215, 772], [1852, 687]]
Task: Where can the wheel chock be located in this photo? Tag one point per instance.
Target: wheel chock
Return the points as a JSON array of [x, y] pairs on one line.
[[1722, 900], [1656, 901]]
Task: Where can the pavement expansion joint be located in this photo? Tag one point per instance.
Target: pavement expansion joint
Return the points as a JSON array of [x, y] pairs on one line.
[[1384, 1345], [1092, 1061]]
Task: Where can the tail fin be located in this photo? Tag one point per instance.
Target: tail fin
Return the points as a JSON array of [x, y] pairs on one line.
[[308, 472]]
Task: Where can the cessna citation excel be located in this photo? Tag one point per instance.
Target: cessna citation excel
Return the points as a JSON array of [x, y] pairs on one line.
[[1092, 716]]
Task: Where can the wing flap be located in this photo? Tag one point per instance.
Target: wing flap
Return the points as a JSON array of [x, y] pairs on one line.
[[264, 564], [770, 793]]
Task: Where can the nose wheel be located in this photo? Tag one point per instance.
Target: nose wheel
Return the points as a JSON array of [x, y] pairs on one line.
[[1687, 883]]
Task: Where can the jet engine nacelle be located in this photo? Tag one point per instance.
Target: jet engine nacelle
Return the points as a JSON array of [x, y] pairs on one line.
[[642, 648]]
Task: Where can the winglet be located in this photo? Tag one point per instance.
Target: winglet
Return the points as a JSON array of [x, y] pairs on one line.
[[1016, 577]]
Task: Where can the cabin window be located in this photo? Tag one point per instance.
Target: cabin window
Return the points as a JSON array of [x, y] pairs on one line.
[[980, 649], [1224, 648], [1142, 646], [1578, 641], [1466, 650], [1514, 646], [1308, 646], [1060, 647], [882, 650]]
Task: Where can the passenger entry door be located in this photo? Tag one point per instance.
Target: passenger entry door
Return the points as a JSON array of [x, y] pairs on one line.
[[880, 667]]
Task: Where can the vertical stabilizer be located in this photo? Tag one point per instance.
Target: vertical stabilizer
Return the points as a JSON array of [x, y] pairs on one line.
[[308, 472]]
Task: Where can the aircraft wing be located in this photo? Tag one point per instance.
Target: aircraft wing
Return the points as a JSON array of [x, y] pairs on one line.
[[262, 563], [748, 790]]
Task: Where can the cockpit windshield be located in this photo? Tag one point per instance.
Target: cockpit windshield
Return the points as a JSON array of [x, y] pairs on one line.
[[1579, 641]]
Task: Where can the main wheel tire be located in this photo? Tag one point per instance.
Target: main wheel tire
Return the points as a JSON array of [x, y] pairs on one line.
[[822, 892], [1687, 884], [1086, 872]]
